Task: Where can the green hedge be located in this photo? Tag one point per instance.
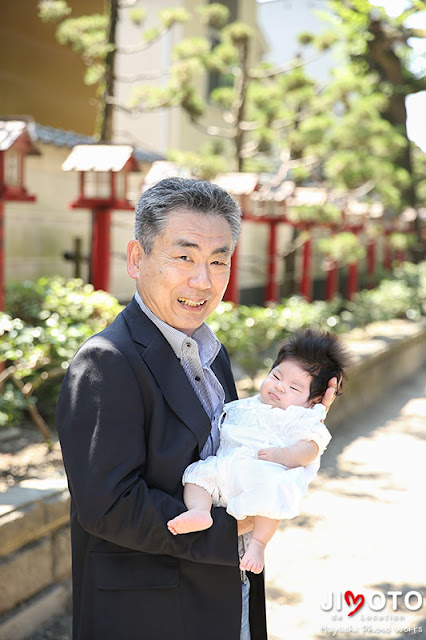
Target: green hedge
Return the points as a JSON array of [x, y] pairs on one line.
[[251, 334], [48, 320], [45, 324]]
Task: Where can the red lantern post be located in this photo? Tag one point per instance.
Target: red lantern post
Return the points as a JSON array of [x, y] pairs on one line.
[[371, 262], [15, 144], [306, 280], [352, 284], [272, 285], [332, 280], [232, 293]]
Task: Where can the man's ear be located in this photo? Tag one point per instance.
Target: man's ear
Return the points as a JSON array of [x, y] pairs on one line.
[[134, 254]]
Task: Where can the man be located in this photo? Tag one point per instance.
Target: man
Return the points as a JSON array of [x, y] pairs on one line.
[[140, 402]]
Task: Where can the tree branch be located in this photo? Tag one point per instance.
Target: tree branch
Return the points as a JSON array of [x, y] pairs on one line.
[[154, 75], [218, 132], [26, 391], [136, 110], [284, 68]]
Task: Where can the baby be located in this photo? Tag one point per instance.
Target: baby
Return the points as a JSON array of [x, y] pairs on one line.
[[270, 445]]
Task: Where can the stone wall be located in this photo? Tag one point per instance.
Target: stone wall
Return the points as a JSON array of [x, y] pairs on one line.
[[35, 562], [35, 556]]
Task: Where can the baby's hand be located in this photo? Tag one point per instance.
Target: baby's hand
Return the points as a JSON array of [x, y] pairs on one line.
[[274, 454]]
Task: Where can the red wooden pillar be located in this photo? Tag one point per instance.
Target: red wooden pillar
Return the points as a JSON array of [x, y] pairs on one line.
[[387, 257], [232, 293], [272, 292], [100, 249], [2, 286], [371, 262], [331, 281], [352, 284], [306, 281]]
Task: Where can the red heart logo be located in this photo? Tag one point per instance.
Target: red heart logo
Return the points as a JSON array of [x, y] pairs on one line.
[[355, 599]]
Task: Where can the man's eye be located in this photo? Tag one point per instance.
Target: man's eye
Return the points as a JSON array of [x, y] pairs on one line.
[[184, 258]]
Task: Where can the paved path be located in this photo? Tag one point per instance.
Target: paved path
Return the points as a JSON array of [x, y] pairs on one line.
[[363, 530]]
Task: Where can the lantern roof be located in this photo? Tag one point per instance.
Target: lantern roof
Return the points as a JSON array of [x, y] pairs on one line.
[[100, 157], [17, 132]]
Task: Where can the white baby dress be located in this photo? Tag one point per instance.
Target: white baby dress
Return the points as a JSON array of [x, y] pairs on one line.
[[242, 483]]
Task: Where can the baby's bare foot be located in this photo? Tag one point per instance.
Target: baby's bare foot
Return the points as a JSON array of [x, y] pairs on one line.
[[192, 520], [254, 558]]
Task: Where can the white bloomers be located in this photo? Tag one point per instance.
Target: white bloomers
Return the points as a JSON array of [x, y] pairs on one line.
[[247, 486]]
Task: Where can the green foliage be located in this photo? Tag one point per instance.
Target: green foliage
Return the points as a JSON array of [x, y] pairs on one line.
[[44, 325], [368, 137], [53, 10], [238, 33], [321, 213], [137, 15], [214, 15], [12, 406], [205, 165], [53, 317], [343, 248], [401, 241], [252, 334], [170, 17]]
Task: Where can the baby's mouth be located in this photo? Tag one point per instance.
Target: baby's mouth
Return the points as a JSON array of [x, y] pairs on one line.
[[191, 303]]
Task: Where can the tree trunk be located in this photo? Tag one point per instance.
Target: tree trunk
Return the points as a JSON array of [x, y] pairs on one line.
[[241, 90], [104, 123], [382, 59]]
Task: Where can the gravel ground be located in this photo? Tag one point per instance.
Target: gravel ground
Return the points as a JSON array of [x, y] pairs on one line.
[[57, 629]]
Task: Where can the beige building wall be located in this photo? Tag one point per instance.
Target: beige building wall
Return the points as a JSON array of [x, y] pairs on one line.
[[38, 76], [37, 234]]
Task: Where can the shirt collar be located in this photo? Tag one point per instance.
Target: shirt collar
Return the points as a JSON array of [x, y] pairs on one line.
[[207, 342]]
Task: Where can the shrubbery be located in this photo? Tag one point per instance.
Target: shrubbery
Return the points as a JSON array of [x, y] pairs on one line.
[[45, 323], [252, 333], [48, 320]]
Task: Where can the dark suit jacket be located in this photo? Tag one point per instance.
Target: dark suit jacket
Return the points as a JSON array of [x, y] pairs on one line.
[[129, 423]]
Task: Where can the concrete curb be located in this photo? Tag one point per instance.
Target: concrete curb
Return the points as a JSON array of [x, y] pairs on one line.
[[384, 354]]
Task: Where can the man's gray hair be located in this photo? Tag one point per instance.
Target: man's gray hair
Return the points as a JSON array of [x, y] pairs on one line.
[[174, 194]]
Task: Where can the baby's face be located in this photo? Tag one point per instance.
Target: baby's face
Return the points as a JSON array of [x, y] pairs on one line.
[[285, 385]]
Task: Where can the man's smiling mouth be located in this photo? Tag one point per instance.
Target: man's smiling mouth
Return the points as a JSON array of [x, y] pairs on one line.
[[191, 303]]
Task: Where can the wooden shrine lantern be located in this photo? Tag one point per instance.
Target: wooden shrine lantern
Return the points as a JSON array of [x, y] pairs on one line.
[[15, 144], [103, 172]]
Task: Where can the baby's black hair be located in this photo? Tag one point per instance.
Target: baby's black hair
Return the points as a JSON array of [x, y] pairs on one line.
[[319, 353]]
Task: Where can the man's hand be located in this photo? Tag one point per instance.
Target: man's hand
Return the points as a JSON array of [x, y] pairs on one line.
[[330, 394], [246, 525]]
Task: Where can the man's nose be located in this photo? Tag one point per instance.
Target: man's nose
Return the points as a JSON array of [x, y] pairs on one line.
[[200, 277]]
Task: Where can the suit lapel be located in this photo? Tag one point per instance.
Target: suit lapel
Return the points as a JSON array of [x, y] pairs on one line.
[[168, 373]]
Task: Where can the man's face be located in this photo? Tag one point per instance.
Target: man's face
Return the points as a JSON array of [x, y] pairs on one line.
[[185, 276], [287, 384]]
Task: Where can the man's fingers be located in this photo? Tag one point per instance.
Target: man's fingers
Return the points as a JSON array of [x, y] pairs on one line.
[[330, 393]]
